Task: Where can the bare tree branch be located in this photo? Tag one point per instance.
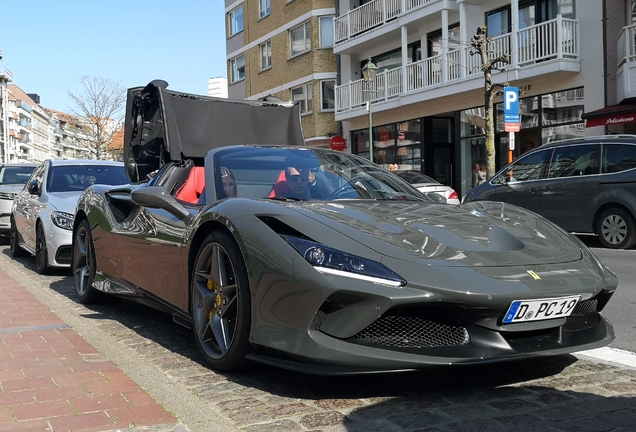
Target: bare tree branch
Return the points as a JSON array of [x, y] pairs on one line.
[[101, 106]]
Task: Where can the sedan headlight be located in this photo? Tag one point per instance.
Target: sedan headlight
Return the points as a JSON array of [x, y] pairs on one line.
[[63, 220], [329, 260], [7, 195]]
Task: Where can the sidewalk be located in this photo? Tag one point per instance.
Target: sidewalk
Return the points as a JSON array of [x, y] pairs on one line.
[[53, 380]]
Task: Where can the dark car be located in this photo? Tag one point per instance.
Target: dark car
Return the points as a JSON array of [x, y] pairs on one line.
[[584, 185], [357, 273]]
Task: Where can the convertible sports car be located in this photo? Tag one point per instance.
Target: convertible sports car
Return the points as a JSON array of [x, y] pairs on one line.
[[320, 261]]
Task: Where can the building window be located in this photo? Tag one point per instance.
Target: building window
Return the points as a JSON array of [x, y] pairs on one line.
[[235, 19], [326, 32], [264, 8], [300, 38], [302, 95], [266, 55], [238, 68], [327, 95]]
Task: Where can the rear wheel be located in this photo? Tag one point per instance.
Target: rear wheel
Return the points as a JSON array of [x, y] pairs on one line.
[[220, 303], [615, 229], [41, 261], [83, 263], [14, 242]]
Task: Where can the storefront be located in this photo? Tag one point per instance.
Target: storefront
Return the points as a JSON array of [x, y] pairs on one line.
[[448, 146]]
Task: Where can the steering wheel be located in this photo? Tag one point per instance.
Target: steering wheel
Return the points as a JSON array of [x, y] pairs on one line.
[[347, 190]]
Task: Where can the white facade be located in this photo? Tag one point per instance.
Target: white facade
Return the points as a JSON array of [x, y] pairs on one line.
[[428, 95]]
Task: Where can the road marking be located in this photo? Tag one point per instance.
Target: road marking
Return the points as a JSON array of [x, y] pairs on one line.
[[613, 355]]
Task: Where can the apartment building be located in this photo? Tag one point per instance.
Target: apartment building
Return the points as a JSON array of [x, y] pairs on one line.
[[5, 78], [217, 87], [427, 99], [284, 49]]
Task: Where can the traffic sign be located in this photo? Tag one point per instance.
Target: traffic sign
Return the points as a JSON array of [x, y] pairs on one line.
[[511, 105]]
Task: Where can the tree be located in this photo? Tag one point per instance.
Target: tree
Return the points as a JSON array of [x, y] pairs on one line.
[[101, 107], [480, 42]]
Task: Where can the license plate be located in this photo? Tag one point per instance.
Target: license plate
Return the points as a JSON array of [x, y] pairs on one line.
[[544, 309]]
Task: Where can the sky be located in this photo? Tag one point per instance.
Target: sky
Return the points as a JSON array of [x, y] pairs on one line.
[[49, 45]]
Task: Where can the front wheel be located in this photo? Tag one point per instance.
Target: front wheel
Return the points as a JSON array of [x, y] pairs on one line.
[[41, 260], [83, 264], [14, 242], [220, 303], [615, 229]]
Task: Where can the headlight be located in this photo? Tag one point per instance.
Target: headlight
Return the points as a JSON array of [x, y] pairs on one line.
[[7, 195], [63, 220], [328, 260]]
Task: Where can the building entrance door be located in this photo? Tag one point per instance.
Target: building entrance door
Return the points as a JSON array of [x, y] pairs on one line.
[[443, 154]]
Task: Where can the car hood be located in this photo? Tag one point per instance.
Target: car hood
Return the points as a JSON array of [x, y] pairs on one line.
[[478, 234], [11, 188], [63, 201]]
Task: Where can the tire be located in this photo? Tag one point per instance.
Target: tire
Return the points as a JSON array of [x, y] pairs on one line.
[[615, 229], [220, 303], [84, 265], [14, 242], [41, 261]]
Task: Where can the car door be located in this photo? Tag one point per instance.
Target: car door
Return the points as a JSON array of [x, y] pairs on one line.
[[570, 190], [27, 207], [521, 181]]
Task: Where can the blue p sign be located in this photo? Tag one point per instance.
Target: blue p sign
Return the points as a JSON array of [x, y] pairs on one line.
[[511, 104]]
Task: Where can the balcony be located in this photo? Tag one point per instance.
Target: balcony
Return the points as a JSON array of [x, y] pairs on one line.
[[373, 14], [548, 47], [626, 56]]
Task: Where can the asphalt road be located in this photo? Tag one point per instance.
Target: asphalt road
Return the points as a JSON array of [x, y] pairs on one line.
[[622, 307]]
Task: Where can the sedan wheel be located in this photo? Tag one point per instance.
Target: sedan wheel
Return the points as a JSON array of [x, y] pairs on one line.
[[83, 263], [615, 229], [41, 262], [220, 303], [14, 242]]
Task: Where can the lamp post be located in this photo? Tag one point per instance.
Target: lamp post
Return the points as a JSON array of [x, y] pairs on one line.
[[368, 72]]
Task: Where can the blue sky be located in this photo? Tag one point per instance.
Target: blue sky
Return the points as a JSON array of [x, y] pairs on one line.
[[49, 45]]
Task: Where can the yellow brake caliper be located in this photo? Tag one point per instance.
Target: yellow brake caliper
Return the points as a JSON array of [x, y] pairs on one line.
[[217, 301]]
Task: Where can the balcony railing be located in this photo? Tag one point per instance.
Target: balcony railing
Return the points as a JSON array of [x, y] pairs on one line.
[[372, 14], [551, 40], [626, 45]]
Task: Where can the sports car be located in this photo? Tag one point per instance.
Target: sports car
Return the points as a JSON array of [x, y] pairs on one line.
[[317, 260]]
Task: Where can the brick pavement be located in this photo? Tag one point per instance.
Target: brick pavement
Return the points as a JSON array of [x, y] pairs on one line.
[[563, 393], [51, 379]]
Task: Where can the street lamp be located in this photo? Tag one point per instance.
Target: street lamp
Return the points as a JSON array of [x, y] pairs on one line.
[[368, 72]]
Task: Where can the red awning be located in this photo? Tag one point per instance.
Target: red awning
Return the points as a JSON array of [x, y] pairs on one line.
[[610, 115]]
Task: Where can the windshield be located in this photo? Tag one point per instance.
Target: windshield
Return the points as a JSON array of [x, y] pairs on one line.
[[305, 174], [73, 178], [15, 174]]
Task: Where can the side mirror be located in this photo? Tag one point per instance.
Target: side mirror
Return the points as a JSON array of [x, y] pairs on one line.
[[33, 188], [158, 197]]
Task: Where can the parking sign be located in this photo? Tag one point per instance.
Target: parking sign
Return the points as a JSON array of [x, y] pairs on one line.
[[511, 104]]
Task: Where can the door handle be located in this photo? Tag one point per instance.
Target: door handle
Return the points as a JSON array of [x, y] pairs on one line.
[[548, 189], [533, 189]]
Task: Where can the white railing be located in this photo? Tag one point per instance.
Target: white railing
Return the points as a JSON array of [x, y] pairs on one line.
[[626, 44], [555, 39], [372, 15]]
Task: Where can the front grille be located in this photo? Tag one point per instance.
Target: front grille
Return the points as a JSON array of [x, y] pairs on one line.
[[318, 320], [63, 255], [422, 327], [584, 316]]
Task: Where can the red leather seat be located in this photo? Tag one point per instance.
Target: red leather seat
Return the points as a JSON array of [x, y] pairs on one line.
[[193, 187], [280, 187]]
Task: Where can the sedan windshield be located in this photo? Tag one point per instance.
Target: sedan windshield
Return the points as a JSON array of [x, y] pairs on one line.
[[306, 174], [15, 174], [73, 178]]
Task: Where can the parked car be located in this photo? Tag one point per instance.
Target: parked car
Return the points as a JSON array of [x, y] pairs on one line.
[[361, 274], [12, 180], [584, 185], [42, 213], [426, 184]]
